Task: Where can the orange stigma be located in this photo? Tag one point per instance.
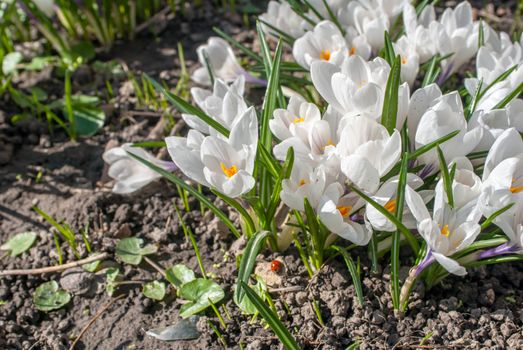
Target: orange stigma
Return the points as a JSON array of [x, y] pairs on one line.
[[445, 230], [299, 120], [325, 55], [302, 182], [229, 172], [352, 51], [391, 206], [516, 189], [344, 210]]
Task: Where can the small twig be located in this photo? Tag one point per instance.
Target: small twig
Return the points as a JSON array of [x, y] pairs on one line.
[[286, 289], [164, 12], [142, 113], [155, 266], [57, 268], [98, 314]]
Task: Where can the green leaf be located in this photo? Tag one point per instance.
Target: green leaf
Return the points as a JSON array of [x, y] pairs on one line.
[[202, 198], [179, 274], [510, 97], [413, 242], [390, 104], [494, 215], [246, 304], [130, 250], [19, 243], [186, 107], [356, 279], [200, 293], [92, 266], [39, 63], [447, 181], [10, 62], [252, 249], [149, 144], [269, 103], [154, 290], [390, 55], [396, 236], [428, 147], [49, 296], [88, 120], [111, 282], [271, 318]]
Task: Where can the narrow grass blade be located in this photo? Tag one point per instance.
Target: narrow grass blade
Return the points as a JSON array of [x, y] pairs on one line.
[[510, 97], [203, 199], [238, 45], [390, 55], [428, 147], [413, 242], [285, 173], [447, 181], [243, 212], [149, 144], [501, 77], [396, 236], [356, 278], [185, 107], [390, 104], [494, 215], [271, 318], [250, 252]]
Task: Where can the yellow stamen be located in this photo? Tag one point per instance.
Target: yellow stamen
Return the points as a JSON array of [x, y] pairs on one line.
[[445, 230], [229, 172], [344, 210], [391, 206], [325, 55], [302, 182], [516, 189], [298, 120], [352, 51], [329, 143], [404, 60]]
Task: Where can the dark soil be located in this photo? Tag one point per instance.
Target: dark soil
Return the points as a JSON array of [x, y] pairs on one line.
[[483, 310]]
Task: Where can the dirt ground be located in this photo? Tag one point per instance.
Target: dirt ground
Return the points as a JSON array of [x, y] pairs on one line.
[[483, 310]]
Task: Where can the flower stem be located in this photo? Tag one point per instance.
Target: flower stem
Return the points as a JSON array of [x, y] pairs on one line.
[[411, 278]]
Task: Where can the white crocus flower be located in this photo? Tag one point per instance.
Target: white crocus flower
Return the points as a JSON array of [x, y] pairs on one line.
[[498, 91], [281, 16], [224, 104], [510, 221], [420, 101], [357, 44], [387, 197], [440, 120], [335, 211], [369, 20], [314, 142], [507, 145], [324, 43], [447, 232], [418, 32], [367, 152], [456, 34], [223, 164], [409, 60], [130, 174], [295, 120], [357, 87], [46, 6], [493, 123], [223, 63], [305, 182], [334, 5]]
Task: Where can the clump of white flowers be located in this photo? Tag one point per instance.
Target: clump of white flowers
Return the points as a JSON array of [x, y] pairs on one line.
[[375, 145]]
